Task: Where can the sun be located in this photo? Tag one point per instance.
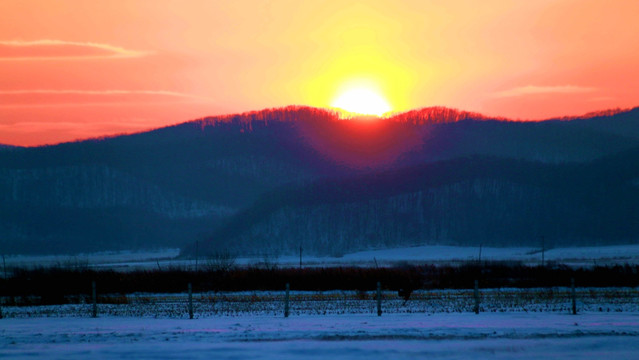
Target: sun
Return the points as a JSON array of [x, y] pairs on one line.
[[362, 101]]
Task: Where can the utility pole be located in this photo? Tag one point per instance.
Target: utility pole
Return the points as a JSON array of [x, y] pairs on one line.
[[543, 250], [196, 249], [300, 256]]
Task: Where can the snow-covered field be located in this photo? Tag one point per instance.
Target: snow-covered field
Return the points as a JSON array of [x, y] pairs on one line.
[[363, 336], [128, 260], [439, 324], [259, 303]]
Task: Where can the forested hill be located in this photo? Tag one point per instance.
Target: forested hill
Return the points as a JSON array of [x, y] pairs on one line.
[[468, 201], [188, 182]]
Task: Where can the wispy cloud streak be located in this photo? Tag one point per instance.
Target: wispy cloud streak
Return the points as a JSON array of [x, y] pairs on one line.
[[110, 51], [537, 90], [95, 92], [51, 95]]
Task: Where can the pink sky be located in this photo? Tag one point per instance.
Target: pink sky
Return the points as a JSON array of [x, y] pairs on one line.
[[77, 69]]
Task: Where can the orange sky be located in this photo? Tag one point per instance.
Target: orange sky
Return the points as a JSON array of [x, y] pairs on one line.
[[76, 69]]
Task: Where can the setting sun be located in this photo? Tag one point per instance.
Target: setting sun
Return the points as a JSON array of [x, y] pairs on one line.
[[362, 101]]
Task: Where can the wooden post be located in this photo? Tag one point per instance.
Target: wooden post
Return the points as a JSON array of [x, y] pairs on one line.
[[573, 295], [379, 299], [286, 300], [94, 295], [190, 301], [476, 296], [4, 264]]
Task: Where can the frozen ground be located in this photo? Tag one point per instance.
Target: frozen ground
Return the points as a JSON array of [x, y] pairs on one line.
[[578, 256], [437, 324], [305, 303], [363, 336]]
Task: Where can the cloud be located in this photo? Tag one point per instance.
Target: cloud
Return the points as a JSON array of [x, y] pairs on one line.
[[80, 128], [95, 92], [538, 90], [73, 97], [603, 98], [47, 49]]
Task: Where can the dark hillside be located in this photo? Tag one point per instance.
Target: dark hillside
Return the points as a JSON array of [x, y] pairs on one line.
[[469, 201]]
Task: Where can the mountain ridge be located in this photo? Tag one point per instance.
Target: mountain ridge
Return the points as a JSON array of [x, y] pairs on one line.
[[422, 116], [174, 185]]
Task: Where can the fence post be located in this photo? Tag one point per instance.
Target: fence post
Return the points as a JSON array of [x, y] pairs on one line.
[[573, 295], [379, 299], [4, 263], [476, 296], [286, 299], [94, 296], [190, 301]]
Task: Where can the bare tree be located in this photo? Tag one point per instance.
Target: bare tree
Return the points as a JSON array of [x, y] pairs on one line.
[[222, 260]]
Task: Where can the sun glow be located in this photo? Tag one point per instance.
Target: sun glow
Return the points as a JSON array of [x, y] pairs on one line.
[[362, 101]]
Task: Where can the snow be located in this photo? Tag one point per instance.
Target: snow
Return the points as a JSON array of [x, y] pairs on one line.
[[338, 302], [98, 258], [438, 324], [575, 255], [435, 254], [364, 336], [440, 253]]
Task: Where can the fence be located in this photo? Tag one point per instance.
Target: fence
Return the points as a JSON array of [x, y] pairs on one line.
[[289, 302]]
